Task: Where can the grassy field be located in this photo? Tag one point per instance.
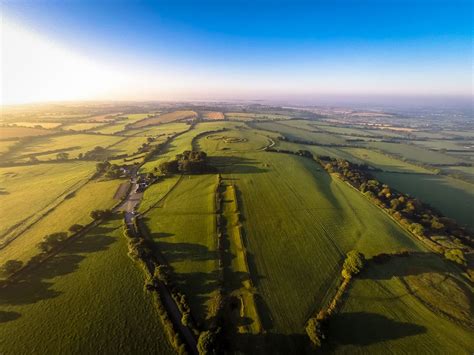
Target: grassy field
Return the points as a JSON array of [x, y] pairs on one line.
[[87, 299], [165, 118], [20, 132], [42, 124], [413, 152], [296, 225], [301, 134], [46, 148], [453, 197], [183, 227], [166, 128], [184, 142], [397, 307], [74, 210], [27, 191], [384, 162], [82, 126]]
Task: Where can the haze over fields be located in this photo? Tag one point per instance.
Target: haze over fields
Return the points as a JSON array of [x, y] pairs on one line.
[[236, 177]]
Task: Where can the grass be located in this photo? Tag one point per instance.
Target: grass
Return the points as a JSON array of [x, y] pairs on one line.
[[82, 126], [74, 210], [299, 224], [46, 148], [301, 134], [113, 128], [251, 116], [397, 307], [383, 162], [453, 197], [33, 124], [6, 145], [183, 227], [87, 299], [184, 142], [28, 191], [20, 132], [166, 128], [166, 118], [237, 273], [416, 153]]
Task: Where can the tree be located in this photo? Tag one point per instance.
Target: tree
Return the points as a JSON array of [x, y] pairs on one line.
[[207, 342], [76, 228], [354, 262], [62, 156], [313, 329], [456, 255], [11, 266], [186, 319]]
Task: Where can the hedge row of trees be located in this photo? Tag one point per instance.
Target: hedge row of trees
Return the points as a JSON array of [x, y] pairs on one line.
[[141, 251], [422, 220], [353, 265], [189, 162]]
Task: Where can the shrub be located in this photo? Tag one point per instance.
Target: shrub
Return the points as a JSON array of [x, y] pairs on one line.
[[354, 262], [207, 342], [456, 255], [313, 329]]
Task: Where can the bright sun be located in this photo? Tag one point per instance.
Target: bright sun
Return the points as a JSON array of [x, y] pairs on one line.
[[34, 69]]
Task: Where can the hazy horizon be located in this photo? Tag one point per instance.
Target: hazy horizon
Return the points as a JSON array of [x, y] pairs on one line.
[[274, 51]]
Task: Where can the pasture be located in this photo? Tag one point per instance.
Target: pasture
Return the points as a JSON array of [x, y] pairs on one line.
[[47, 148], [403, 306], [21, 132], [166, 118], [90, 290], [29, 191], [415, 153], [453, 197], [183, 227], [72, 210]]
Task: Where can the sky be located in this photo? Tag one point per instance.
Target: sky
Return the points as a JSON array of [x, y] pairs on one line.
[[234, 50]]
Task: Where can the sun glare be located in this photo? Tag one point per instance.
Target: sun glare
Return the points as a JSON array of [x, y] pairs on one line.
[[35, 69]]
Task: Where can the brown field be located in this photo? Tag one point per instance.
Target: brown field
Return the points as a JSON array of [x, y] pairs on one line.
[[213, 115], [165, 118], [19, 132]]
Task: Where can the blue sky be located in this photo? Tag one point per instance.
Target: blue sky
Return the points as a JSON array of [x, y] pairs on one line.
[[201, 49]]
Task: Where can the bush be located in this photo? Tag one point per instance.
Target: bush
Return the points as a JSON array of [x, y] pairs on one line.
[[207, 342], [456, 255], [354, 262], [313, 329]]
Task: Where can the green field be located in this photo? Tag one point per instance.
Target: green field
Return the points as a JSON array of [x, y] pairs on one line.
[[183, 227], [266, 257], [403, 307], [73, 210], [29, 191], [46, 148], [87, 299], [301, 134], [453, 197], [413, 152]]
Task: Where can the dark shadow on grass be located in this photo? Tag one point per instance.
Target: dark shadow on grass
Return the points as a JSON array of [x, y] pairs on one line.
[[177, 252], [363, 328], [271, 343], [8, 316], [235, 165], [402, 266], [37, 283]]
